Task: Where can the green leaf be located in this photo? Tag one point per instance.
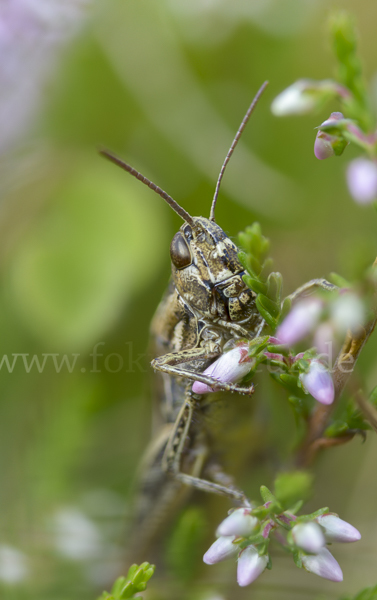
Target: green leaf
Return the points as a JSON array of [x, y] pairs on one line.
[[336, 429], [254, 284], [297, 558], [275, 284], [269, 305], [265, 312], [267, 495], [369, 593]]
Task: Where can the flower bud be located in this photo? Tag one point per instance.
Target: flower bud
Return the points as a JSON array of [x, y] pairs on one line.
[[337, 530], [308, 537], [250, 565], [220, 550], [294, 100], [347, 313], [327, 144], [230, 367], [323, 564], [318, 382], [323, 147], [306, 95], [240, 523], [362, 180], [300, 321]]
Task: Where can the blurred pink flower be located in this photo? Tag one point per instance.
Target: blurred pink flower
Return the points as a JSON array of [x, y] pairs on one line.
[[300, 321], [31, 34], [318, 382], [362, 180]]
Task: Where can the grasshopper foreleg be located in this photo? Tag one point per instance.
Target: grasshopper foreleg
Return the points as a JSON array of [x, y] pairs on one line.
[[170, 363]]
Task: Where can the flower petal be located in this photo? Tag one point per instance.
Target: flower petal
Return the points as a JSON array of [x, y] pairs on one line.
[[309, 537], [239, 523], [323, 564], [250, 565], [230, 367], [318, 382], [300, 321], [337, 530], [221, 549]]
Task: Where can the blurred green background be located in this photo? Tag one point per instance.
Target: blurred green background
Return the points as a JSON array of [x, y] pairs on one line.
[[84, 258]]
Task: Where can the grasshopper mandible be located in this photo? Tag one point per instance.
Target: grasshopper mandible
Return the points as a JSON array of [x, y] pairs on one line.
[[206, 306]]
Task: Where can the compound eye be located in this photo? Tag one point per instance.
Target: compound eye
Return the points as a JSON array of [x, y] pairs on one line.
[[179, 252]]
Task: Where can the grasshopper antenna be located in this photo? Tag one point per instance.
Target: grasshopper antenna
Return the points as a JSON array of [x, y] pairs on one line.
[[126, 167], [234, 144]]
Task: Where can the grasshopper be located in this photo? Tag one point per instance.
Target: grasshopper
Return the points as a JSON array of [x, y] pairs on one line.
[[206, 306]]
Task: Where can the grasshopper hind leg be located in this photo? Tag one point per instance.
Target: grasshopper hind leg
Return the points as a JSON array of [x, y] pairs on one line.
[[172, 459]]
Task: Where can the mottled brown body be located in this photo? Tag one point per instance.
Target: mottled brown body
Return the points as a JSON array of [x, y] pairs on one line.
[[206, 306]]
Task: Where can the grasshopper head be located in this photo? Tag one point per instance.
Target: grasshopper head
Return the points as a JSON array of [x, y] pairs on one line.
[[207, 272]]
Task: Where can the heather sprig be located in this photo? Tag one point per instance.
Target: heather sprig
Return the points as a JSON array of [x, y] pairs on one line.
[[248, 532], [354, 123], [136, 581]]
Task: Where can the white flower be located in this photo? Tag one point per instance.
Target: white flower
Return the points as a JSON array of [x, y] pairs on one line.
[[323, 564], [13, 565], [250, 565], [294, 100], [337, 530], [309, 537], [220, 550], [239, 523], [347, 312]]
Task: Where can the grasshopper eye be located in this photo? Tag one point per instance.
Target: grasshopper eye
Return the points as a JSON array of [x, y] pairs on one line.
[[179, 252]]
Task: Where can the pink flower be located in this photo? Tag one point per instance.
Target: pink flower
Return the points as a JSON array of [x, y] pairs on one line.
[[309, 537], [220, 550], [250, 565], [323, 564], [300, 321], [240, 523], [327, 144], [362, 180], [323, 145], [230, 367], [337, 530], [318, 382]]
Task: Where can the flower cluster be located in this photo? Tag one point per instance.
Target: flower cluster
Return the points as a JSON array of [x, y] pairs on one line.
[[306, 96], [247, 532], [232, 366], [328, 319]]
